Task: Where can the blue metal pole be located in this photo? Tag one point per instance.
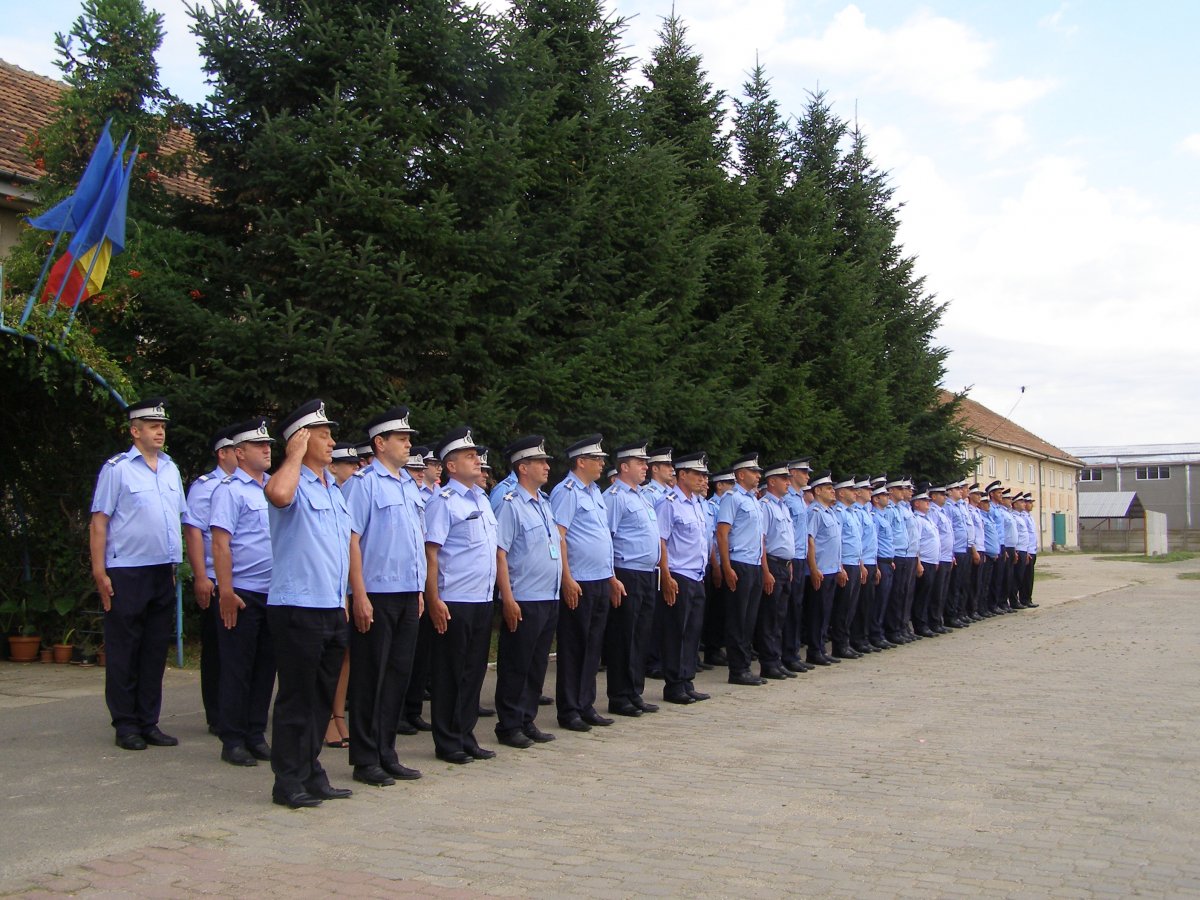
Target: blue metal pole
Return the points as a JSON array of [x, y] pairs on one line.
[[179, 623], [41, 278]]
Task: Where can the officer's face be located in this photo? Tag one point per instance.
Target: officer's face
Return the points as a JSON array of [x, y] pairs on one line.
[[433, 472], [939, 498], [463, 465], [634, 469], [882, 501], [343, 470], [921, 505], [148, 435], [691, 481], [799, 478], [393, 448], [255, 456], [777, 485], [862, 495], [319, 452], [824, 494], [722, 486], [747, 478], [845, 495], [536, 471]]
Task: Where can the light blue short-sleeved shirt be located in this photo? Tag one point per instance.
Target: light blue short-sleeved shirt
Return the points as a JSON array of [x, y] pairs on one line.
[[852, 554], [881, 522], [459, 520], [825, 528], [144, 508], [870, 543], [740, 510], [1009, 524], [902, 535], [199, 505], [798, 510], [496, 497], [941, 520], [239, 506], [683, 524], [929, 548], [387, 512], [960, 522], [634, 527], [310, 543], [583, 512], [914, 529], [526, 532], [780, 534]]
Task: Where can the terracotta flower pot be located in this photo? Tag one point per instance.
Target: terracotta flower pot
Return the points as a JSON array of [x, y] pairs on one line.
[[47, 654], [23, 648], [62, 652]]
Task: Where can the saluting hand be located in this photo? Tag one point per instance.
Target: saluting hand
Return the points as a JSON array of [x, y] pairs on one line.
[[298, 443], [230, 603]]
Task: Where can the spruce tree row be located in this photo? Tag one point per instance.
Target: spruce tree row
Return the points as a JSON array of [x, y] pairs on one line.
[[482, 217]]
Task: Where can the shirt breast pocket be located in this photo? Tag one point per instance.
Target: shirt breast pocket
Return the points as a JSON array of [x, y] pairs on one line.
[[475, 531], [257, 509], [142, 494]]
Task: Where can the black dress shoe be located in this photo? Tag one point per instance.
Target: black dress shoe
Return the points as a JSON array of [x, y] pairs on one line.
[[624, 709], [543, 700], [656, 674], [373, 775], [237, 755], [514, 737], [844, 653], [486, 712], [481, 753], [577, 724], [716, 658], [156, 738], [745, 678], [794, 665], [536, 734], [420, 724], [458, 757], [294, 799], [644, 706], [323, 790], [405, 727], [925, 633], [131, 741], [261, 750], [774, 673], [591, 717], [400, 772], [683, 699], [703, 666], [862, 649], [699, 695], [1029, 605], [819, 661]]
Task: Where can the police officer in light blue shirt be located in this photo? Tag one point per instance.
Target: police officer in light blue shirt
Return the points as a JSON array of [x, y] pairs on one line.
[[505, 486], [845, 599], [683, 523], [387, 583], [639, 561], [135, 546], [460, 547], [799, 472], [713, 637], [197, 541], [941, 588], [825, 571], [929, 550], [860, 637], [529, 576], [881, 517], [977, 606], [241, 539], [780, 541], [742, 551], [588, 584], [659, 483], [306, 604]]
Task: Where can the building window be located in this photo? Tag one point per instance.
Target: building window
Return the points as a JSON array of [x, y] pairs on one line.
[[991, 466], [1061, 481], [1152, 473], [1091, 474], [1006, 475], [1021, 472]]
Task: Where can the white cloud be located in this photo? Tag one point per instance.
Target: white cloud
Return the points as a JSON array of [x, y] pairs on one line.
[[1056, 21], [1191, 144]]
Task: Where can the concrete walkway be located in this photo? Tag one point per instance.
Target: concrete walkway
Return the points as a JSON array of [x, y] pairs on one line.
[[1050, 753]]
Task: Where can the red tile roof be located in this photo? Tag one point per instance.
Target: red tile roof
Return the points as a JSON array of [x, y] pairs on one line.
[[986, 426], [27, 102]]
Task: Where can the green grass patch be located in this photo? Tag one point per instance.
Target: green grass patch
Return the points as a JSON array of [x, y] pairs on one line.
[[1189, 576], [1173, 556], [1045, 576]]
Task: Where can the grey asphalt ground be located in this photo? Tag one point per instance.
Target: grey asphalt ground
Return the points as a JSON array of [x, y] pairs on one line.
[[1047, 753]]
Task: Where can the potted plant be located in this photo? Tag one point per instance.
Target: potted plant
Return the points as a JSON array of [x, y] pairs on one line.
[[46, 653], [22, 612], [64, 648], [85, 653]]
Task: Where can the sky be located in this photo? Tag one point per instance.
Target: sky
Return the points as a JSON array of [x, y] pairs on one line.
[[1046, 155]]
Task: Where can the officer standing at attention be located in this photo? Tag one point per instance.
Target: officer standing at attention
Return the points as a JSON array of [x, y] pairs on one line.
[[742, 549], [197, 540], [976, 595], [799, 472], [529, 557], [860, 627], [998, 591], [588, 584], [825, 572], [929, 550], [1034, 538], [660, 482], [992, 530], [941, 587], [899, 515], [241, 538], [505, 486], [639, 561], [964, 546], [881, 520], [306, 604], [387, 583], [460, 551], [713, 636], [845, 599], [780, 539], [344, 461], [135, 547], [683, 525]]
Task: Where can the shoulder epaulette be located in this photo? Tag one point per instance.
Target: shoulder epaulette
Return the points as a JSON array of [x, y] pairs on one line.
[[611, 490], [113, 460], [202, 478], [569, 484], [508, 496], [228, 479], [358, 473], [670, 495], [447, 494]]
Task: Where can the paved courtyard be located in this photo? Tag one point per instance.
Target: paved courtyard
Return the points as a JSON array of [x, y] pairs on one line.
[[1051, 753]]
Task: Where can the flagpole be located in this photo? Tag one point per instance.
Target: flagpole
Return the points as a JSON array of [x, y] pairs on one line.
[[41, 278]]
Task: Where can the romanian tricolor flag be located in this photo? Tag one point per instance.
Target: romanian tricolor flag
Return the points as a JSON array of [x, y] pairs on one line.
[[96, 215]]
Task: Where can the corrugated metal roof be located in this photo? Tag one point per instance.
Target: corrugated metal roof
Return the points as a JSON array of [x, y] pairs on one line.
[[1132, 454], [1110, 505]]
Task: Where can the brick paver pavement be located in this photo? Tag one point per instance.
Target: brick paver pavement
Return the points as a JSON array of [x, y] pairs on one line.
[[1046, 754]]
